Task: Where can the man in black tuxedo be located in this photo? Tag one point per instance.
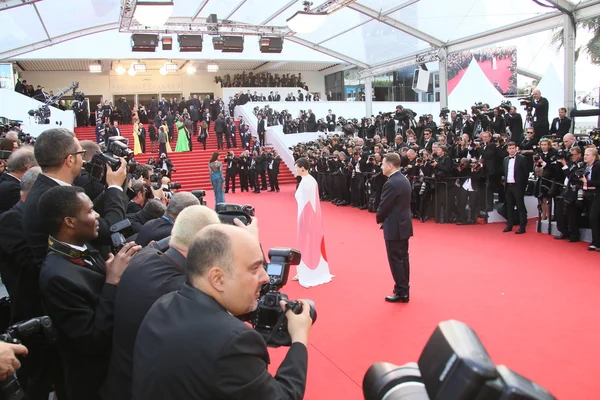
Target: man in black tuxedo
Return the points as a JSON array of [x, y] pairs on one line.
[[142, 136], [10, 187], [78, 289], [150, 275], [92, 188], [261, 130], [225, 272], [395, 217], [114, 131], [562, 125], [515, 180], [515, 123], [160, 228], [153, 209]]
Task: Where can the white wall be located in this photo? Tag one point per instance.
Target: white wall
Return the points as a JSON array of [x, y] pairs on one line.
[[149, 82], [16, 106]]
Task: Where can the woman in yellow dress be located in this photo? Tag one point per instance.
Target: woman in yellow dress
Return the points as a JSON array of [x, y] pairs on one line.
[[165, 128], [137, 149]]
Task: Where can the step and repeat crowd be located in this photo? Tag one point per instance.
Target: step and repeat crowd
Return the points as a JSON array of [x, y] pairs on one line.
[[473, 162]]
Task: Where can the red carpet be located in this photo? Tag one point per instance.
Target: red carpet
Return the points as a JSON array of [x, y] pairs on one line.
[[532, 300], [192, 167], [501, 74]]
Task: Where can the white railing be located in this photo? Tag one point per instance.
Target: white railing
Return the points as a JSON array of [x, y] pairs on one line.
[[16, 106]]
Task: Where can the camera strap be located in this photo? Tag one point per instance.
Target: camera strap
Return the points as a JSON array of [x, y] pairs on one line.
[[278, 324]]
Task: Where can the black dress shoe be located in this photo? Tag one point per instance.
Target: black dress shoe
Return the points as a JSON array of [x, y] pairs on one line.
[[520, 232], [560, 237], [396, 298], [507, 229], [573, 240]]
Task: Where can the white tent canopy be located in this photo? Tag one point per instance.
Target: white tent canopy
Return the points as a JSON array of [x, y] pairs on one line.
[[474, 86]]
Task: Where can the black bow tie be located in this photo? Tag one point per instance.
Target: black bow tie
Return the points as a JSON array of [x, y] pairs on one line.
[[511, 157]]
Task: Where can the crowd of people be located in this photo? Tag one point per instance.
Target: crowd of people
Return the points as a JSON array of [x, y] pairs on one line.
[[463, 169], [261, 79], [59, 257]]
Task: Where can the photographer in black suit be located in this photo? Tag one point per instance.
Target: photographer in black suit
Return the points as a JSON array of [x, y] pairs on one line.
[[10, 188], [562, 124], [395, 217], [540, 118], [515, 180], [78, 288], [191, 345], [150, 275]]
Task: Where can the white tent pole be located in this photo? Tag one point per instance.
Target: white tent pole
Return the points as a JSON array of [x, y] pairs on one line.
[[443, 78], [368, 96], [569, 58]]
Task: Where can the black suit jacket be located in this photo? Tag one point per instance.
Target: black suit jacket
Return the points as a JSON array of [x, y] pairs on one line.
[[394, 208], [190, 347], [521, 171], [595, 182], [564, 126], [149, 276], [10, 192], [541, 113], [155, 229], [261, 126], [81, 306]]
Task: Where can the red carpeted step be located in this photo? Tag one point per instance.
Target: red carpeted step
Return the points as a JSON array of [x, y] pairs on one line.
[[192, 166]]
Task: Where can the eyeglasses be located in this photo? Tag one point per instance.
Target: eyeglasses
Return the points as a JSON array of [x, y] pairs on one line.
[[82, 152]]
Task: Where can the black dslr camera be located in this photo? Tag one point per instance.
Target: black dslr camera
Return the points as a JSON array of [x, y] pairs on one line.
[[453, 365], [269, 319], [117, 147], [118, 234], [200, 196], [228, 212], [11, 388]]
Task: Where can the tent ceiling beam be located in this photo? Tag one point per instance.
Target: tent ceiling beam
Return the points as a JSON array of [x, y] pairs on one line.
[[562, 5], [57, 39], [327, 51], [416, 59], [270, 66], [396, 24], [385, 13], [37, 11], [278, 12], [200, 8], [8, 4], [241, 3]]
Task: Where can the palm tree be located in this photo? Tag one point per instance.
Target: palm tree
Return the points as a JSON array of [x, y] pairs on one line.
[[592, 47]]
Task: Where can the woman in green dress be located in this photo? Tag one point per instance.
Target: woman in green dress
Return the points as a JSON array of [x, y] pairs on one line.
[[183, 143]]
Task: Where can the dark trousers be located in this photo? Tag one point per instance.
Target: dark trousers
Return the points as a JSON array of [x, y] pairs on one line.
[[515, 196], [219, 140], [254, 181], [203, 141], [397, 252], [273, 181], [230, 176], [142, 143], [261, 138], [244, 180], [566, 219], [263, 179], [595, 220]]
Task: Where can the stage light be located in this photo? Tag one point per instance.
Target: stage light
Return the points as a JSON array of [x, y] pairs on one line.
[[120, 69], [139, 66], [131, 71], [191, 70], [153, 13], [95, 68], [171, 67], [163, 70], [306, 22], [212, 67]]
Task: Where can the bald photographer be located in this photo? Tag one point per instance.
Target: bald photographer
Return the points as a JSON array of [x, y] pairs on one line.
[[217, 356]]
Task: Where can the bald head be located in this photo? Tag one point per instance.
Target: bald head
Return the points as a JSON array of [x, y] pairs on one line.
[[569, 139]]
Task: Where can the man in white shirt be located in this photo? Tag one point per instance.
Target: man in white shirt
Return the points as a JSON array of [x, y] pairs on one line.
[[515, 179]]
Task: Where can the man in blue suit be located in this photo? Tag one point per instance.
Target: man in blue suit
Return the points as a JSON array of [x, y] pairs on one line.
[[394, 215]]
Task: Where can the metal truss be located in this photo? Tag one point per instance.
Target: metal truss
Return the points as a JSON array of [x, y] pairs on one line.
[[8, 4], [331, 6], [422, 58]]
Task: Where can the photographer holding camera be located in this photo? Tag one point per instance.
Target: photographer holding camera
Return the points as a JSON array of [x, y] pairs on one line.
[[571, 197], [540, 118], [9, 363], [225, 274]]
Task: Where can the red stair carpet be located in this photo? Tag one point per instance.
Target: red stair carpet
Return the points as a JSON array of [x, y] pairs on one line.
[[192, 166], [532, 300]]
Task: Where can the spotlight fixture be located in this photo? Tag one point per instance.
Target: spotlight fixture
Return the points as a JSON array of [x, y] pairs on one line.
[[163, 70], [271, 44], [171, 67], [131, 71], [212, 67], [95, 68], [144, 42], [139, 67], [167, 42], [153, 13], [306, 21], [191, 70], [120, 69], [189, 43]]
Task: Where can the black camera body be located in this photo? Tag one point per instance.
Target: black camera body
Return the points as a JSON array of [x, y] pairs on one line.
[[228, 212], [15, 334], [200, 196], [269, 319], [453, 365], [118, 233], [117, 147]]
